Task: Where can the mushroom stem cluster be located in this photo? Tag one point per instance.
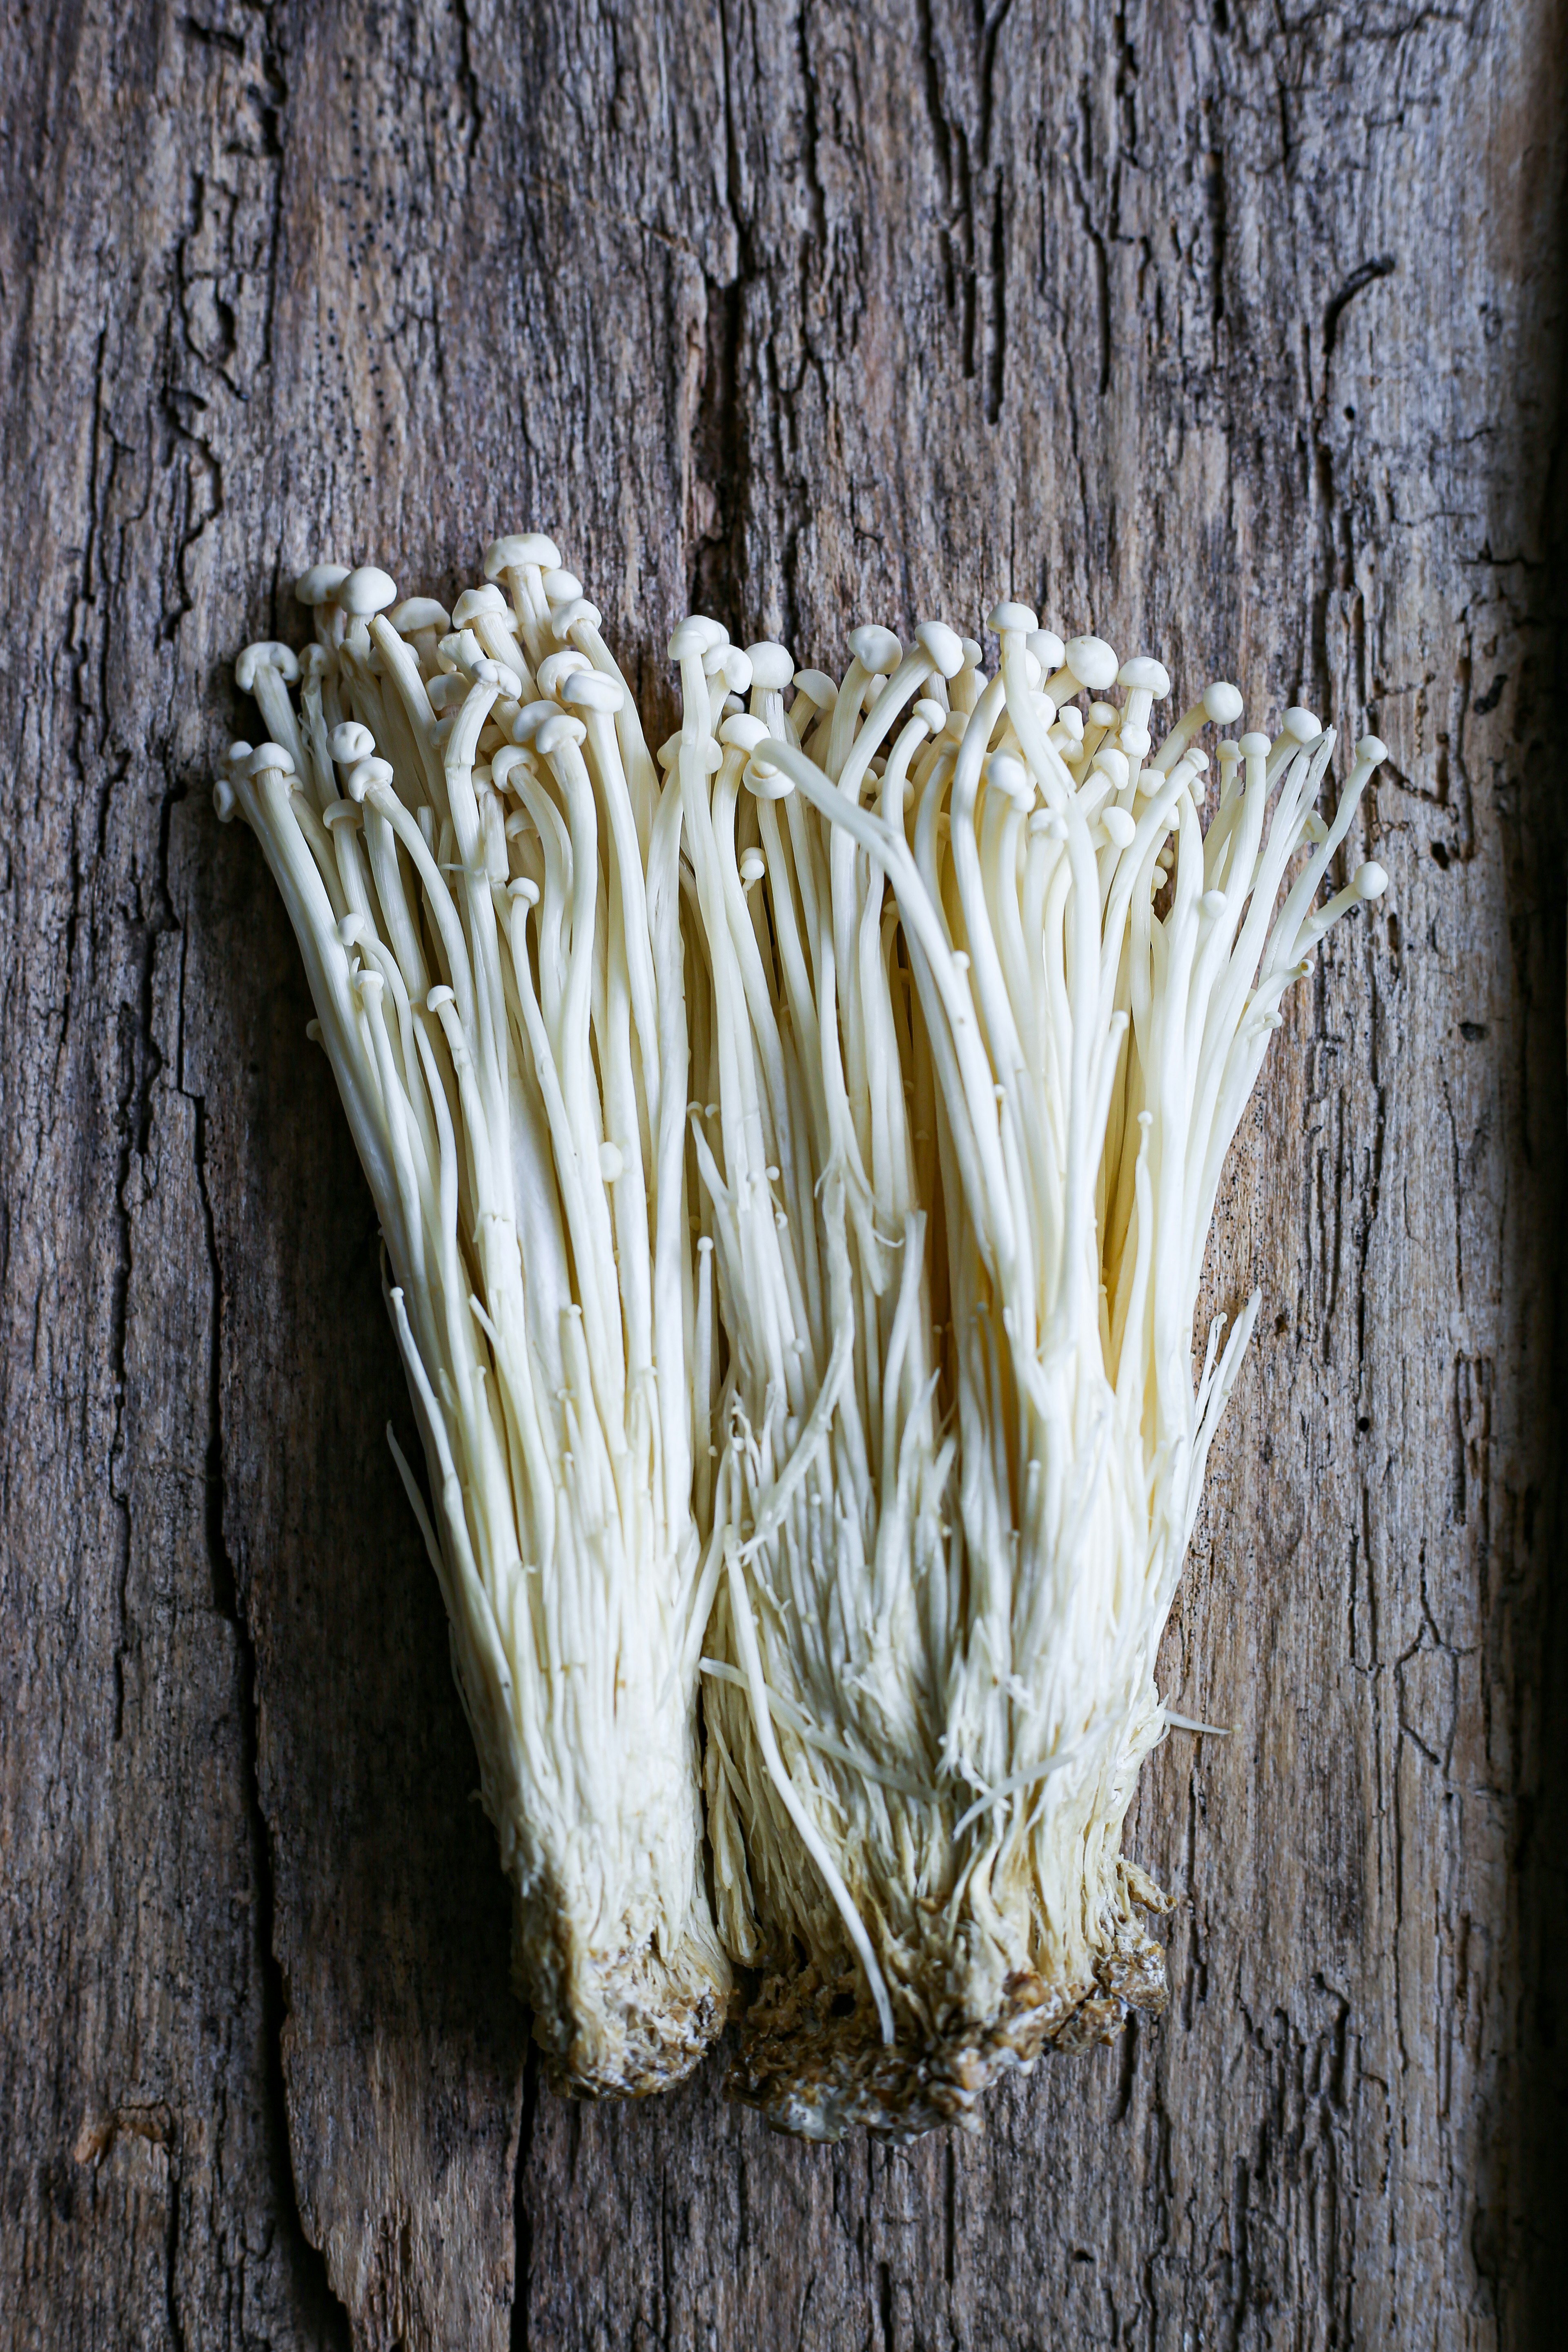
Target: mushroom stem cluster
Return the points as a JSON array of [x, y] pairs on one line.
[[796, 1156], [984, 1004], [483, 874]]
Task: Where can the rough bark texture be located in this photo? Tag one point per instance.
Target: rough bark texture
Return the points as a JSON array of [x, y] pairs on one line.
[[1229, 331]]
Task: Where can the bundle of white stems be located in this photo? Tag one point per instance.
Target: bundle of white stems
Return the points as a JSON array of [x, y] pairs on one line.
[[484, 876], [986, 1006], [885, 1421]]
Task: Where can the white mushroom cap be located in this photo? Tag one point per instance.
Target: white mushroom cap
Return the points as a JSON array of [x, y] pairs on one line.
[[521, 547], [692, 638], [1303, 725], [563, 617], [765, 782], [419, 612], [744, 733], [321, 584], [1092, 662], [942, 646], [773, 666], [270, 756], [558, 731], [1006, 617], [1372, 750], [267, 653], [875, 649], [529, 721], [1120, 826], [1047, 649], [1253, 746], [1009, 775], [1222, 704], [475, 601], [351, 741], [1370, 880], [708, 752], [366, 590], [461, 648], [557, 667], [1146, 676], [509, 757], [592, 690], [366, 776], [817, 686]]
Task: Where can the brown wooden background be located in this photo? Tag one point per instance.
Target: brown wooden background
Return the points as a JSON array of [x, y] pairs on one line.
[[1233, 328]]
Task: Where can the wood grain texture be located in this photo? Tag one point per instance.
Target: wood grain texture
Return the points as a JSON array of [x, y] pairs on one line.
[[1230, 330]]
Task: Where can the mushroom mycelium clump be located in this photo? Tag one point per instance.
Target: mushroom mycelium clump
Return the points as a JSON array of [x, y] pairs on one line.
[[483, 874], [796, 1157]]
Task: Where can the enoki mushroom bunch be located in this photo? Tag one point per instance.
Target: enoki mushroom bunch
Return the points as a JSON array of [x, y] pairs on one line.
[[484, 876], [796, 1161], [985, 1005]]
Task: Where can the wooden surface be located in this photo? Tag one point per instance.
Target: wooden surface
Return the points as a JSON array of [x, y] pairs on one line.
[[1228, 330]]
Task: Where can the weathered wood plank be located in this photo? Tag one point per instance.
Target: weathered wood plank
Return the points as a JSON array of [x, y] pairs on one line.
[[147, 2191], [1231, 332]]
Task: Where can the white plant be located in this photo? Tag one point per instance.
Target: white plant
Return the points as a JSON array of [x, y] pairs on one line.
[[980, 1005], [977, 1000], [483, 874]]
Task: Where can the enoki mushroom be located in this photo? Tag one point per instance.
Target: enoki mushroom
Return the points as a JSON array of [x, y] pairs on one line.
[[796, 1160], [483, 872], [980, 1006]]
